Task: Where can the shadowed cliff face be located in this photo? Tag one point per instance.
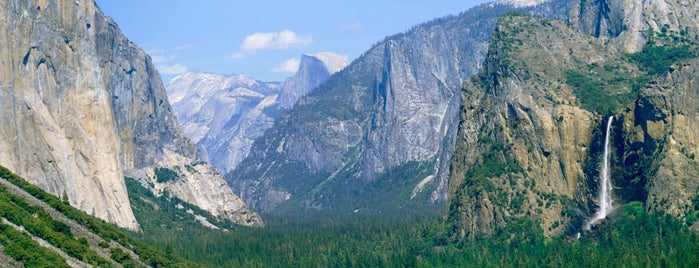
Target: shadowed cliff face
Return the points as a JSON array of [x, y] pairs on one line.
[[662, 142], [84, 106], [533, 120]]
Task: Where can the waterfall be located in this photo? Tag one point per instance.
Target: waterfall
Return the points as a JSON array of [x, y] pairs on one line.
[[605, 187]]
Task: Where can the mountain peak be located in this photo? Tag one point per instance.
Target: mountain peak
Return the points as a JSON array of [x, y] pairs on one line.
[[333, 62], [313, 70]]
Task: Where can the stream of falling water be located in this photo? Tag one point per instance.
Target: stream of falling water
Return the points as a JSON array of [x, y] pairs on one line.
[[605, 190]]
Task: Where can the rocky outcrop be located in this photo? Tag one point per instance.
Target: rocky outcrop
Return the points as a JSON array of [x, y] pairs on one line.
[[394, 108], [313, 70], [223, 115], [525, 137], [661, 142], [84, 106], [532, 122], [629, 24]]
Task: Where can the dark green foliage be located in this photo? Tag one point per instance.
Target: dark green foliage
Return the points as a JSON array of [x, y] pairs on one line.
[[632, 238], [26, 251], [162, 212], [165, 175], [595, 94], [391, 190], [606, 90], [123, 258], [656, 59], [105, 230], [496, 161], [323, 239], [591, 93], [412, 238], [39, 223], [693, 211]]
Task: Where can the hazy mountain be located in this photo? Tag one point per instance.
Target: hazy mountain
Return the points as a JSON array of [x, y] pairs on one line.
[[223, 115]]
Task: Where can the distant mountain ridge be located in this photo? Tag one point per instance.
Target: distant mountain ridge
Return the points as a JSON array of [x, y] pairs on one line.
[[389, 119], [223, 115]]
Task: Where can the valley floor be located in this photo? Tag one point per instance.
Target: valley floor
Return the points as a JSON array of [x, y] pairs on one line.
[[411, 238]]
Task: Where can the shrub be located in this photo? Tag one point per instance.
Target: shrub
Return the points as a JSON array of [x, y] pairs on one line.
[[165, 175]]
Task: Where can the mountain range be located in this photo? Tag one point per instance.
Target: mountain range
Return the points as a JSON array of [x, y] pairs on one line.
[[510, 113], [223, 115], [386, 121]]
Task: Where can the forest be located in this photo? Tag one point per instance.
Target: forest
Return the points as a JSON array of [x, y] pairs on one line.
[[411, 238]]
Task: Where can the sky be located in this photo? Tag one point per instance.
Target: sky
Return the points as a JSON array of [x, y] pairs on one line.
[[264, 38]]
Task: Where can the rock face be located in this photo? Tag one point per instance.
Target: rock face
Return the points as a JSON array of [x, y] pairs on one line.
[[629, 24], [662, 140], [532, 123], [223, 115], [84, 107], [313, 70], [395, 108], [524, 138]]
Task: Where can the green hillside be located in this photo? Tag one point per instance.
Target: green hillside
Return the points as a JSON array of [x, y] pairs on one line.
[[74, 237]]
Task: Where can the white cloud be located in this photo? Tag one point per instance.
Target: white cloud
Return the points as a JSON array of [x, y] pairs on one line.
[[177, 68], [279, 40], [288, 66], [356, 26]]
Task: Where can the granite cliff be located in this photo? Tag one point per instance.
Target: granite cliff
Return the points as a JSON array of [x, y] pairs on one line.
[[532, 121], [84, 107], [381, 131]]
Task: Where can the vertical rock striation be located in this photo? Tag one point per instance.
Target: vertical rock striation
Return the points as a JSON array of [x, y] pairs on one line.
[[84, 107], [629, 24], [394, 108], [532, 122], [524, 139]]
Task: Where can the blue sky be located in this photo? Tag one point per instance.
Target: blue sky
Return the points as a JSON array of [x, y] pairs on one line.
[[264, 38]]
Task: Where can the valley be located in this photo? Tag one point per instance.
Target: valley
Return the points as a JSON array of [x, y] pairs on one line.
[[515, 133]]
